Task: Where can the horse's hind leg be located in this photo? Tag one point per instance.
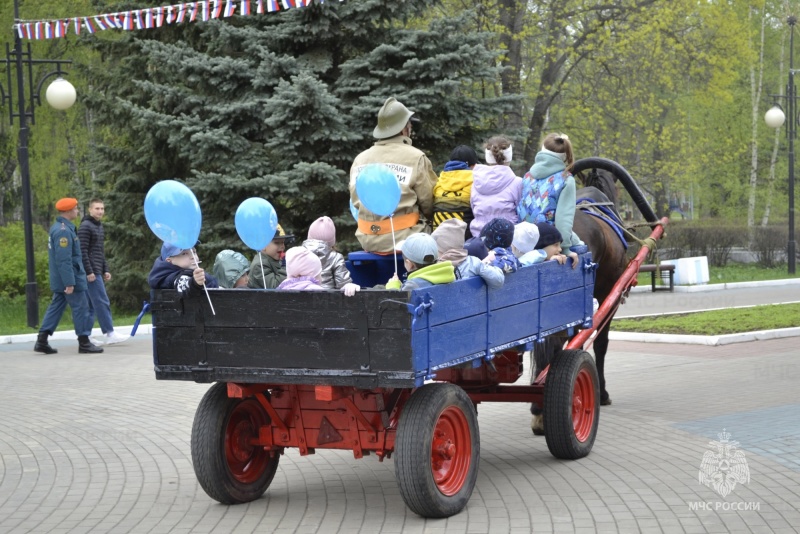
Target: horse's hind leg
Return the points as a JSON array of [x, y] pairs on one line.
[[600, 348]]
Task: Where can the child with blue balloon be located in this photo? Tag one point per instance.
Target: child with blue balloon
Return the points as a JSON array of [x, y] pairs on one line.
[[420, 255], [268, 270], [178, 269]]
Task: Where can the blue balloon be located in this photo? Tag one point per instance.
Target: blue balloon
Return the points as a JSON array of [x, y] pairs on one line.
[[173, 213], [256, 222], [378, 189], [353, 210]]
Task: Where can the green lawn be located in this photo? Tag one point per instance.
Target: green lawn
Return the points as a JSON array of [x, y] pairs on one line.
[[13, 317], [717, 322]]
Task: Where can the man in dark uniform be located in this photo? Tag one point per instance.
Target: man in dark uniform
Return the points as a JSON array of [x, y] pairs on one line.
[[67, 280]]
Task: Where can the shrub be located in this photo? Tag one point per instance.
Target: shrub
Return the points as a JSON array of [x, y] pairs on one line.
[[13, 270], [770, 245], [714, 239]]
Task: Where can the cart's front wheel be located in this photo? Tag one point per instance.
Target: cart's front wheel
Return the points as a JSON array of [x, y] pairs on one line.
[[229, 467], [571, 405], [437, 450]]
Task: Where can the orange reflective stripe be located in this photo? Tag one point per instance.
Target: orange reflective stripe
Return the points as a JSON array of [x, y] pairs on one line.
[[401, 222]]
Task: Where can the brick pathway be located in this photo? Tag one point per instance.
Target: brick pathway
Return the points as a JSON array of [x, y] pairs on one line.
[[96, 444]]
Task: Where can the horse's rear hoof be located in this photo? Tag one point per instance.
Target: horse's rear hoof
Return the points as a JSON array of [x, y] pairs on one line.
[[537, 425], [606, 401]]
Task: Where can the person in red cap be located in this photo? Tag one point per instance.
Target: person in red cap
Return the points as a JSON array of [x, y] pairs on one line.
[[67, 280]]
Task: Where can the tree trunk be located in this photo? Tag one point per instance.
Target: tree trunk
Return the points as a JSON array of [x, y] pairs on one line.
[[755, 96], [512, 13], [776, 143]]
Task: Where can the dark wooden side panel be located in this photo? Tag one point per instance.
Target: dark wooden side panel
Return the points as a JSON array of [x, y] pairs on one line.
[[277, 348], [255, 308], [178, 346], [390, 350]]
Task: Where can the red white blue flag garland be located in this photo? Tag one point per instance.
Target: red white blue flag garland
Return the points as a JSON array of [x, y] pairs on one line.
[[153, 17]]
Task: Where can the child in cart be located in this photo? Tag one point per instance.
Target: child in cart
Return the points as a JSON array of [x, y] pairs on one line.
[[536, 243], [304, 272], [321, 241], [498, 235], [548, 189], [420, 255], [449, 237], [177, 269]]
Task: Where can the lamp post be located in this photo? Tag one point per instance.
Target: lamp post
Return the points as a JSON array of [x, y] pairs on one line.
[[775, 119], [61, 95]]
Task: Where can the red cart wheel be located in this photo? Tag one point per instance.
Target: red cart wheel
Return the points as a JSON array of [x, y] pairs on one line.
[[451, 451], [437, 450], [229, 467], [571, 405]]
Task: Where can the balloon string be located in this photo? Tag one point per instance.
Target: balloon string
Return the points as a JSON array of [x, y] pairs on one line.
[[263, 276], [394, 244], [197, 262]]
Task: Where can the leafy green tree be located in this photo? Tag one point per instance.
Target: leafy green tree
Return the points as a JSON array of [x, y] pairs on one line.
[[275, 106], [59, 140]]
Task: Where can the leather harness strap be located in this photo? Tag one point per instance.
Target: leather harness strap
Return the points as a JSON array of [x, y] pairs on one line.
[[401, 222]]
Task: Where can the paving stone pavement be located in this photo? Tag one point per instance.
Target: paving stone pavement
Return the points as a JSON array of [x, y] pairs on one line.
[[93, 443]]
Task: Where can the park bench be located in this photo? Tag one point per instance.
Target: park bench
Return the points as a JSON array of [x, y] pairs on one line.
[[664, 270]]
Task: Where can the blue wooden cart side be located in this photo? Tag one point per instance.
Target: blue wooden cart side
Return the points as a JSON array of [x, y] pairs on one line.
[[465, 321]]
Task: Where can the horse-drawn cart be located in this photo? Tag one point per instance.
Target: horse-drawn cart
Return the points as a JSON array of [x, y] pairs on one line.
[[390, 373]]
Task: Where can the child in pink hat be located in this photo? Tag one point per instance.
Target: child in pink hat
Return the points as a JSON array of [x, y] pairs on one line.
[[321, 241], [302, 270]]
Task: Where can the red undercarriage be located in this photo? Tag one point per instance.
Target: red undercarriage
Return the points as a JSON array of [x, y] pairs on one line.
[[332, 417]]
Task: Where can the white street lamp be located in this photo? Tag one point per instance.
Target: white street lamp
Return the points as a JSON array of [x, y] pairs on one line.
[[60, 94], [775, 117]]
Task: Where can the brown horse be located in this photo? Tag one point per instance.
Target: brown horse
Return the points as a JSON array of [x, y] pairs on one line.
[[608, 251]]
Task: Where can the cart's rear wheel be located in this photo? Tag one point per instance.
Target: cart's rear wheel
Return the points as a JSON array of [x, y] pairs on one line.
[[228, 466], [437, 450], [571, 405]]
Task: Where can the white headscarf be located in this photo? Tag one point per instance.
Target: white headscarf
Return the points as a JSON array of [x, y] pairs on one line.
[[507, 154]]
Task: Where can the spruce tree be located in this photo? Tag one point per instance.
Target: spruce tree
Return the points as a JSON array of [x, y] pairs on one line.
[[277, 106]]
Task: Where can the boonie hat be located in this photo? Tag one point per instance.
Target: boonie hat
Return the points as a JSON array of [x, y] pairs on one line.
[[548, 234], [392, 118], [421, 249], [526, 235], [66, 204]]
